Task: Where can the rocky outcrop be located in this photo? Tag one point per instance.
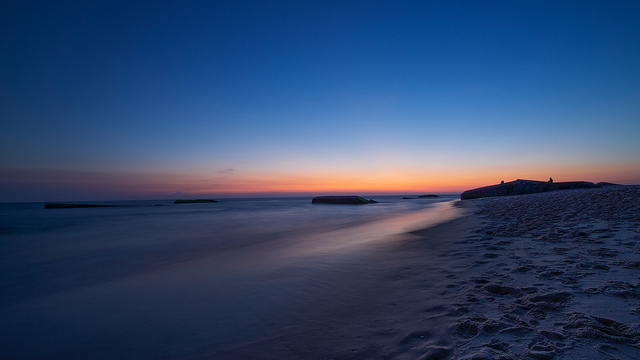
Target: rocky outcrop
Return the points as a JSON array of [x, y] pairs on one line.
[[421, 196], [521, 187], [196, 201], [349, 200], [72, 206]]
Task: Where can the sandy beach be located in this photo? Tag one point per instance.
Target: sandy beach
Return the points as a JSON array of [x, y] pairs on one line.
[[558, 278], [541, 276]]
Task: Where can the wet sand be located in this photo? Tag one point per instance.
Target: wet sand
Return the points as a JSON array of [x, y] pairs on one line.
[[393, 304], [541, 276]]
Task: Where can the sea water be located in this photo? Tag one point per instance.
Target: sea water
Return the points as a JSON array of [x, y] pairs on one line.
[[153, 279]]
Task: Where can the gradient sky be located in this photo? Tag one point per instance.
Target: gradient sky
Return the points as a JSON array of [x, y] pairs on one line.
[[156, 99]]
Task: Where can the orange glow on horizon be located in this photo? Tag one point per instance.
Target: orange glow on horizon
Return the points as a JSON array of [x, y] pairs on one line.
[[402, 180], [157, 185], [392, 182]]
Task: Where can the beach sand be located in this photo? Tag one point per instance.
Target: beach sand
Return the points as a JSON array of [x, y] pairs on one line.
[[540, 276], [559, 277]]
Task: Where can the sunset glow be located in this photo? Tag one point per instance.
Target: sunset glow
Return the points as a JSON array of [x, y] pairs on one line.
[[125, 101]]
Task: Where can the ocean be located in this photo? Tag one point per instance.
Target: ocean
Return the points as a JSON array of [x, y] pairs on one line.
[[156, 280]]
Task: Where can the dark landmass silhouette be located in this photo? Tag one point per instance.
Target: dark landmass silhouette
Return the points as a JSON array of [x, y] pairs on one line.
[[348, 200], [71, 206], [421, 196], [521, 187], [196, 201]]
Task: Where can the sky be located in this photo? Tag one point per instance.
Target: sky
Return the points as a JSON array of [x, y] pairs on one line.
[[111, 100]]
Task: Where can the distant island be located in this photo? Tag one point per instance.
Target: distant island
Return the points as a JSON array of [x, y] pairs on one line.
[[421, 196], [521, 187], [348, 200], [196, 201]]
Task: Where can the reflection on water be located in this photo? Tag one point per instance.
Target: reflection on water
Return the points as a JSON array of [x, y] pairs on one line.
[[350, 239], [153, 282]]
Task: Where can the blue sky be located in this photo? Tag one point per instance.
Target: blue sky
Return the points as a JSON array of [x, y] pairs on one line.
[[110, 100]]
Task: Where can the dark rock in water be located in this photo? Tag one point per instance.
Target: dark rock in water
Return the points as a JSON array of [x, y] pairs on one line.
[[351, 200], [197, 201], [408, 198], [72, 206], [422, 196], [521, 187]]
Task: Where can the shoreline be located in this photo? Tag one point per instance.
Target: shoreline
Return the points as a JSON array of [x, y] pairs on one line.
[[542, 276], [394, 311]]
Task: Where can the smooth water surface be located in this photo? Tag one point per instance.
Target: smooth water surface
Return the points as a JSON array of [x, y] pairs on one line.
[[151, 281]]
